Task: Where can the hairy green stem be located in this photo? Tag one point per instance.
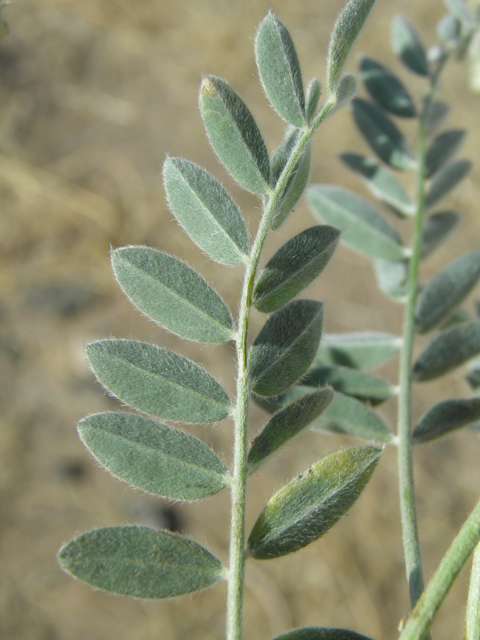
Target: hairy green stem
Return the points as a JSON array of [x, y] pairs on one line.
[[426, 602], [472, 617], [405, 458], [435, 592], [405, 462], [239, 476], [239, 481]]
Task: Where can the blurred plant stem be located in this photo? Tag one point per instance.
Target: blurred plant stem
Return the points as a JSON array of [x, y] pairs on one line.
[[411, 544], [436, 590]]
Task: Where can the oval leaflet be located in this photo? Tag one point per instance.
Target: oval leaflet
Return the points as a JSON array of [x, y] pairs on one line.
[[295, 265], [140, 562], [279, 70], [234, 134], [159, 382], [285, 347], [172, 294], [307, 507], [153, 456]]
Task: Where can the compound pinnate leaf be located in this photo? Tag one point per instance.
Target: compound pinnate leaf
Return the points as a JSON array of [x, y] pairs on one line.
[[294, 267], [206, 211], [363, 226], [159, 382], [285, 347], [312, 98], [306, 508], [380, 182], [286, 423], [321, 633], [279, 70], [362, 350], [450, 349], [140, 562], [348, 415], [442, 149], [446, 416], [436, 115], [446, 179], [392, 277], [153, 456], [382, 135], [344, 34], [234, 134], [386, 89], [446, 291], [436, 229], [171, 293], [407, 45], [297, 181], [351, 382]]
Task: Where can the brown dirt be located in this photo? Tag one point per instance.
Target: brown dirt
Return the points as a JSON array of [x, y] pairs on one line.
[[94, 94]]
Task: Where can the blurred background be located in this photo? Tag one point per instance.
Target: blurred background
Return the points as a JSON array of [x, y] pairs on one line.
[[93, 95]]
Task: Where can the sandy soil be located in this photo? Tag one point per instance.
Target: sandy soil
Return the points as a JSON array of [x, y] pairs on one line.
[[94, 94]]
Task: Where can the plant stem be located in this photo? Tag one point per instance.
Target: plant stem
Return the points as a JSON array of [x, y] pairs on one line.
[[435, 592], [239, 481], [407, 491], [472, 617], [240, 472], [405, 461]]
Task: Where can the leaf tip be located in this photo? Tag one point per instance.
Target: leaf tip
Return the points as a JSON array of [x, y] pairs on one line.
[[208, 86], [91, 347], [347, 28], [167, 162]]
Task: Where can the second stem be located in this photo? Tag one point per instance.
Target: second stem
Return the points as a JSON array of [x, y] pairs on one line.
[[405, 460]]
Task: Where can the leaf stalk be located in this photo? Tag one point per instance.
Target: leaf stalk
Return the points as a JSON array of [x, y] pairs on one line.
[[240, 467], [405, 459]]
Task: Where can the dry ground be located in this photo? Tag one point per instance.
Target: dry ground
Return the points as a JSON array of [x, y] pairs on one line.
[[93, 95]]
